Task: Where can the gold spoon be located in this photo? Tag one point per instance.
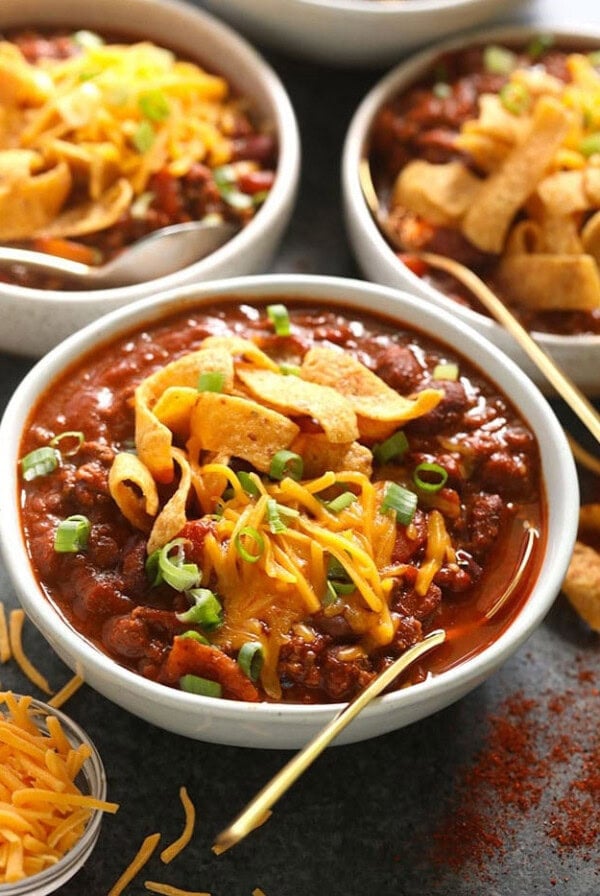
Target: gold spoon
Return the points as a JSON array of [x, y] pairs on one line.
[[563, 384], [257, 810]]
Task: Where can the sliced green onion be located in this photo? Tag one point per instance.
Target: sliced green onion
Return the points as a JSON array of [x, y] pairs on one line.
[[445, 372], [195, 684], [206, 610], [71, 436], [193, 635], [259, 197], [515, 98], [442, 90], [341, 502], [274, 514], [401, 501], [174, 570], [72, 535], [395, 446], [153, 572], [499, 60], [248, 484], [290, 369], [143, 136], [539, 45], [338, 579], [594, 58], [590, 145], [140, 205], [432, 470], [331, 596], [87, 40], [249, 533], [286, 463], [39, 462], [251, 658], [154, 105], [280, 318], [211, 381]]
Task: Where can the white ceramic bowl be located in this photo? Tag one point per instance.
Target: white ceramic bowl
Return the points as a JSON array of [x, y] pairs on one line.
[[92, 782], [33, 320], [272, 725], [578, 356], [356, 32]]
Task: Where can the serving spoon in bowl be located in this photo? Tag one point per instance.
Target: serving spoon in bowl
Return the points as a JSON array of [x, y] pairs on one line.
[[555, 375], [161, 252]]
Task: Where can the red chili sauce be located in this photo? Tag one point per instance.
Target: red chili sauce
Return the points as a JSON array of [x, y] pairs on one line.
[[422, 123], [171, 200], [493, 488]]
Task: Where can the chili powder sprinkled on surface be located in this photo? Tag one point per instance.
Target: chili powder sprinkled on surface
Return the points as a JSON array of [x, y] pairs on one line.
[[540, 765]]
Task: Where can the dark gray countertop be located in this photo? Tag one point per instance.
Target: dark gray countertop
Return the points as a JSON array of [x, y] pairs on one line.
[[367, 817]]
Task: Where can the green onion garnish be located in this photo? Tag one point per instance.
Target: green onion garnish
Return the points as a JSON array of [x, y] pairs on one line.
[[280, 318], [590, 145], [286, 463], [211, 381], [249, 533], [39, 462], [154, 105], [436, 474], [594, 58], [290, 369], [498, 60], [248, 484], [72, 535], [251, 658], [445, 372], [515, 98], [401, 501], [193, 635], [442, 90], [341, 502], [338, 580], [539, 45], [174, 570], [195, 684], [87, 40], [275, 512], [143, 136], [395, 446], [75, 437], [206, 610]]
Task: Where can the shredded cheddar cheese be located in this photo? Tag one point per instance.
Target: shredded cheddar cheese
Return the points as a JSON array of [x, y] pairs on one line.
[[17, 620], [141, 857], [5, 651], [170, 890], [169, 853], [66, 692], [42, 811]]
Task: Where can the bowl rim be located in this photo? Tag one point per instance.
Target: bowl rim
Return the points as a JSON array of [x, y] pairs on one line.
[[285, 184], [389, 8], [357, 135], [349, 293]]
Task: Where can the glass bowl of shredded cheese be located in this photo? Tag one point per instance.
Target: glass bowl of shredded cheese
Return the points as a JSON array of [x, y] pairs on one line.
[[53, 795]]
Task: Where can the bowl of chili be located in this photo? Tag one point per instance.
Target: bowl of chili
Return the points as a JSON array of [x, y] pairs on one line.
[[435, 125], [355, 32], [281, 483], [121, 119]]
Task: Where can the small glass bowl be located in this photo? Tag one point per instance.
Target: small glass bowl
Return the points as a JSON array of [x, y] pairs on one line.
[[91, 781]]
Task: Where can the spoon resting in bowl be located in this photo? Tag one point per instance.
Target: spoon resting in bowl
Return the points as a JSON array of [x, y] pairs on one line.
[[561, 382], [159, 253]]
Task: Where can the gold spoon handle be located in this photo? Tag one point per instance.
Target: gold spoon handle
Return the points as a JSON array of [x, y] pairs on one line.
[[254, 813], [565, 387]]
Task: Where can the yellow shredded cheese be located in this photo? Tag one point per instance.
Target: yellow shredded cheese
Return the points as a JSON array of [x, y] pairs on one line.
[[170, 890], [16, 622], [66, 692], [169, 853], [5, 651], [140, 859]]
